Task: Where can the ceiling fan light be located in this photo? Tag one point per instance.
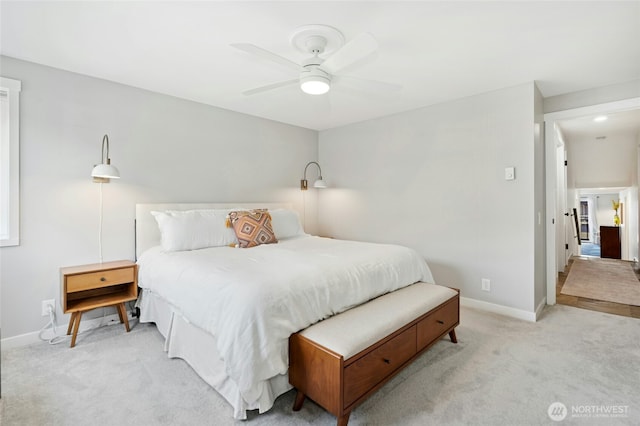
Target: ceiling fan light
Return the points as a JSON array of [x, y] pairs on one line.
[[315, 85]]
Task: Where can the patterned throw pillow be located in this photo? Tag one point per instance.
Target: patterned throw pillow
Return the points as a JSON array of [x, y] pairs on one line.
[[252, 227]]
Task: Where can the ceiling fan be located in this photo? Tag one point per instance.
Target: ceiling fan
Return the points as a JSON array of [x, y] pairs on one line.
[[329, 55]]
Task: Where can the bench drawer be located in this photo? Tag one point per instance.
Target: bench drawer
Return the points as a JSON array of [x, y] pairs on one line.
[[375, 366], [437, 323]]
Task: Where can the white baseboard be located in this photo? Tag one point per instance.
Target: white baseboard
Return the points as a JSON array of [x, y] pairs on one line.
[[30, 338], [540, 308], [499, 309]]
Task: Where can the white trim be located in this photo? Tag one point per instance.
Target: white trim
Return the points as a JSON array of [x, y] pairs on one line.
[[499, 309], [85, 325], [540, 308], [12, 163], [550, 201], [617, 106], [551, 176]]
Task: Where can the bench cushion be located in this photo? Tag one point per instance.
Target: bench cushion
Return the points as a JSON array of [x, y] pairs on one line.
[[356, 329]]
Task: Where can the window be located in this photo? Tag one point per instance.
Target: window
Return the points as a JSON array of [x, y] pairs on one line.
[[9, 161]]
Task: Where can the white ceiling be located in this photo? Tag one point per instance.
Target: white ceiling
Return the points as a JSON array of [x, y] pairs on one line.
[[438, 51], [624, 124]]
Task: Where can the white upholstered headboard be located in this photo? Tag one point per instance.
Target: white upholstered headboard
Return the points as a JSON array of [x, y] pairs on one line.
[[148, 234]]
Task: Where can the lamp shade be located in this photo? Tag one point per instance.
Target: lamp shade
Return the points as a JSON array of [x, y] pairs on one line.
[[105, 171], [320, 184]]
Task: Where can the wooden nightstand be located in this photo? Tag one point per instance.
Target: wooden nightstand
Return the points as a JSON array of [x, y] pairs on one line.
[[97, 285]]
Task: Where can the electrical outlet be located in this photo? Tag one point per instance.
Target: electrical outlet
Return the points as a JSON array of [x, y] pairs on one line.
[[45, 307], [486, 284]]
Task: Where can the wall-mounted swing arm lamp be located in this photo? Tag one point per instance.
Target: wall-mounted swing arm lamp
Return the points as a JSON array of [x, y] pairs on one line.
[[104, 171], [318, 183]]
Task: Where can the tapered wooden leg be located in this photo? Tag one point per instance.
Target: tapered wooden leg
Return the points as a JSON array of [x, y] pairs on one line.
[[344, 419], [123, 316], [71, 321], [75, 328], [119, 313], [297, 405], [452, 336]]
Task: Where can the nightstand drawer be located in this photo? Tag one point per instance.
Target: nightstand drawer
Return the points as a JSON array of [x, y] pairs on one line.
[[99, 279]]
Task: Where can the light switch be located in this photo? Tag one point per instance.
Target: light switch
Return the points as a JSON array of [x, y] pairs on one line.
[[509, 173]]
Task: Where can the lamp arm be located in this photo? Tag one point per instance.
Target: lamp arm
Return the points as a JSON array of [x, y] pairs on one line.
[[308, 164], [105, 139]]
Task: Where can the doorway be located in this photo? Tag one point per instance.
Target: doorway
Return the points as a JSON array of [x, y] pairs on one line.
[[596, 211], [589, 230], [559, 188]]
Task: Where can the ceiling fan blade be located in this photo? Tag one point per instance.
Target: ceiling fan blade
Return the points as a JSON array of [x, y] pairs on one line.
[[265, 54], [270, 87], [359, 48], [367, 85]]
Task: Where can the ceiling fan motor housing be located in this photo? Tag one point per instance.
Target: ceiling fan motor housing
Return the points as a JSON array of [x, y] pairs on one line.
[[316, 44]]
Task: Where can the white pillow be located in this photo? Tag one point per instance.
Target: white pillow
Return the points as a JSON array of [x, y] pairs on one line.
[[286, 223], [194, 229]]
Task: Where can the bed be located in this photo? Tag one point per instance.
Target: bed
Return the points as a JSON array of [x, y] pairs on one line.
[[229, 312]]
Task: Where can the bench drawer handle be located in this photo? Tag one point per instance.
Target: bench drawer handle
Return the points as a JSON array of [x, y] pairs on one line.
[[386, 361], [103, 279], [440, 322]]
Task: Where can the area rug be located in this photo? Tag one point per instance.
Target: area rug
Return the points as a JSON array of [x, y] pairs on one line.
[[603, 279]]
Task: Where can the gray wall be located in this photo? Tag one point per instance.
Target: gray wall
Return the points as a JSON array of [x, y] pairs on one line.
[[433, 179], [602, 164], [167, 150]]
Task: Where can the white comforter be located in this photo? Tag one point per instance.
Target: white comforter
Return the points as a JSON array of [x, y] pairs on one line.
[[253, 299]]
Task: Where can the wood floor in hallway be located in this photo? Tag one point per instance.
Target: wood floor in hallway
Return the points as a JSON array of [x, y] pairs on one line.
[[591, 304]]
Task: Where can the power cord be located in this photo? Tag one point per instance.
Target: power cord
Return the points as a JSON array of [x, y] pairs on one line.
[[53, 326], [52, 323]]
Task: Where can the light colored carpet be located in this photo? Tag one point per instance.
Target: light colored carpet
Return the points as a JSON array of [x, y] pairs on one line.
[[603, 279], [502, 372]]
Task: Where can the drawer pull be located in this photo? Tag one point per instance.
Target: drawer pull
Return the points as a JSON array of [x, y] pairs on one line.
[[386, 361], [103, 279], [440, 322]]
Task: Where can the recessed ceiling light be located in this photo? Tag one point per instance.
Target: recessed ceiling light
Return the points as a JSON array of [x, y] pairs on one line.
[[601, 138], [600, 118]]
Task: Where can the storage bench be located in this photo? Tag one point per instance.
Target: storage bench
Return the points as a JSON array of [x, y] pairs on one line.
[[342, 360]]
